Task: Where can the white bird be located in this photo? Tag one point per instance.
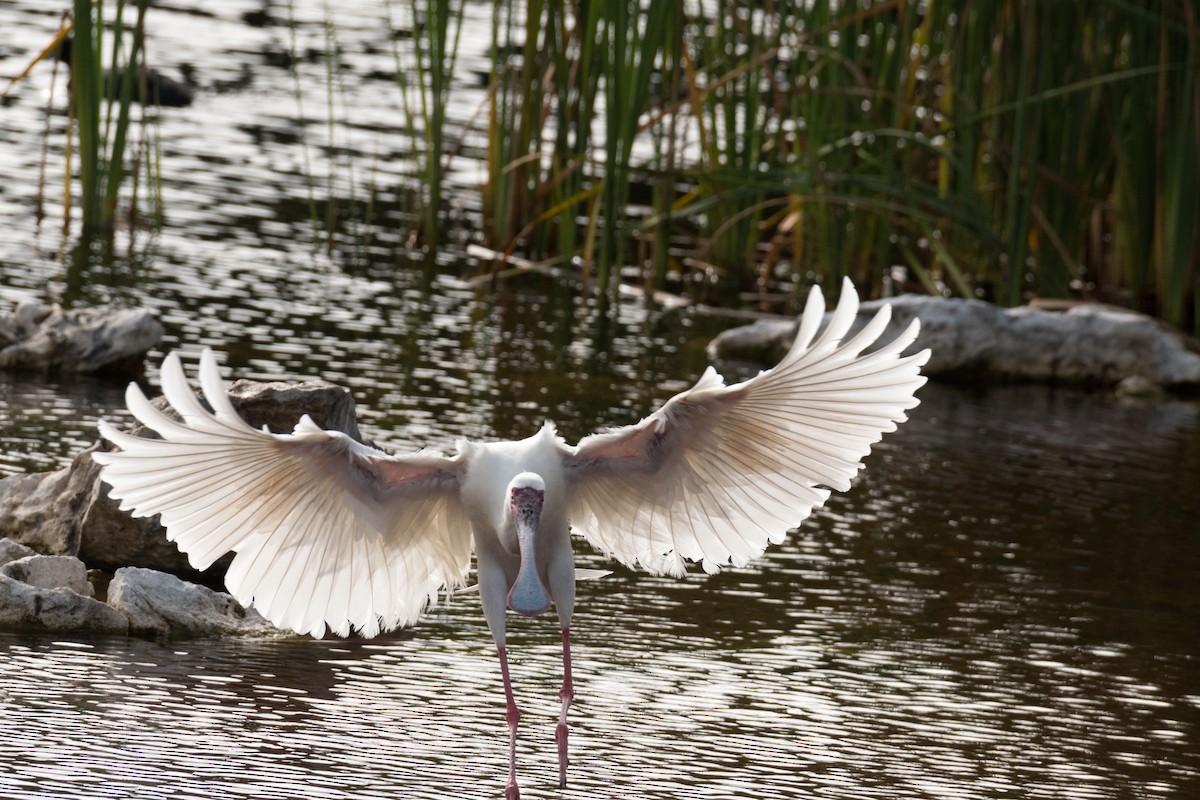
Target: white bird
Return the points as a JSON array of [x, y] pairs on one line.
[[332, 533]]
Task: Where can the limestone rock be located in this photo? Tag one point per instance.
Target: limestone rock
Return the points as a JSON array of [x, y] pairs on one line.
[[41, 509], [159, 604], [1084, 344], [11, 551], [108, 340], [50, 572], [25, 607]]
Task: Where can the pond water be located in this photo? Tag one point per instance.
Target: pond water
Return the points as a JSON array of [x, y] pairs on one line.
[[1005, 605]]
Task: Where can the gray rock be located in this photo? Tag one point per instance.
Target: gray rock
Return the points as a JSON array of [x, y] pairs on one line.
[[24, 607], [280, 405], [42, 509], [1137, 387], [68, 512], [1084, 344], [1096, 344], [110, 340], [50, 572], [11, 551], [159, 604]]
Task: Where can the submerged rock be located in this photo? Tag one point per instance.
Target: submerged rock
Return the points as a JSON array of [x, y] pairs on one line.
[[1084, 344], [159, 604], [108, 340]]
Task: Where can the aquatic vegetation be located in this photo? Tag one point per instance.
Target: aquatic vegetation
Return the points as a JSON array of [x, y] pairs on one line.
[[963, 141], [101, 101], [738, 151]]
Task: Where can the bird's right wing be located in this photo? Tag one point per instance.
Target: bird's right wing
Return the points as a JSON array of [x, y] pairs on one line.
[[327, 531], [720, 471]]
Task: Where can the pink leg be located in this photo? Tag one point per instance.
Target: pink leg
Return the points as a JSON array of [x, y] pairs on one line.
[[567, 694], [513, 715]]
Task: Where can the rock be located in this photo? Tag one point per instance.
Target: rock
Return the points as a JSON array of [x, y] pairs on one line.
[[1096, 344], [159, 604], [42, 509], [67, 512], [1085, 344], [25, 607], [50, 572], [107, 340], [280, 405], [11, 551], [1137, 387]]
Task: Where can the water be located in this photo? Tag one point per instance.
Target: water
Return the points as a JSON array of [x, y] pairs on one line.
[[1005, 605]]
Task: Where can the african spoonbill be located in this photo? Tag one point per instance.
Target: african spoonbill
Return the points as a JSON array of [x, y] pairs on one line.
[[331, 533]]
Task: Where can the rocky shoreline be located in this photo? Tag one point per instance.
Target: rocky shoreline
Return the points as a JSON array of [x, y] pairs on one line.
[[71, 560], [1069, 343], [57, 522], [55, 593]]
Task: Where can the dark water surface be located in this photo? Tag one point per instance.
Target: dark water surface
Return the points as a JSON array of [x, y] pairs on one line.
[[1006, 605]]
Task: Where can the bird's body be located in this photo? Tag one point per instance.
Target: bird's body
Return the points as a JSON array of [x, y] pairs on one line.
[[330, 533], [485, 487], [150, 87]]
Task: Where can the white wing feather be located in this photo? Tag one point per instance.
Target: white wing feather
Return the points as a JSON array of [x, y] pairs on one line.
[[328, 532], [721, 471]]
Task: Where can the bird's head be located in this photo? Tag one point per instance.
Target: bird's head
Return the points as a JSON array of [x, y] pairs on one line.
[[526, 496]]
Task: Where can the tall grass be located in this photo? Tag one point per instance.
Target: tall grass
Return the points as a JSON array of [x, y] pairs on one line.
[[963, 139], [1006, 149], [101, 115], [424, 76], [999, 148]]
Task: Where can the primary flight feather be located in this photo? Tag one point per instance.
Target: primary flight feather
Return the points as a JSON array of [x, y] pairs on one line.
[[333, 534]]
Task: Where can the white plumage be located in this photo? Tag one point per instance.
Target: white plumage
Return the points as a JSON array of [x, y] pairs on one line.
[[332, 533]]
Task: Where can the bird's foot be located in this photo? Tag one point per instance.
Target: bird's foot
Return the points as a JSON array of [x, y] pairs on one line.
[[560, 735]]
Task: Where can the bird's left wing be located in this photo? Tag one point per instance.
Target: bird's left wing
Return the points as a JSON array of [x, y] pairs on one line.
[[720, 471], [327, 531]]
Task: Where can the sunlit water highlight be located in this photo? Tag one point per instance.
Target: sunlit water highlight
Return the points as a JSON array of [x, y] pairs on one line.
[[1006, 604]]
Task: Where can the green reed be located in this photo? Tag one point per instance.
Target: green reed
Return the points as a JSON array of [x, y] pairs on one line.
[[997, 148], [101, 106], [425, 91], [966, 140], [541, 109]]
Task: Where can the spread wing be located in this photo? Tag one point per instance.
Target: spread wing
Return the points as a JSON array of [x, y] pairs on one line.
[[327, 531], [720, 471]]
